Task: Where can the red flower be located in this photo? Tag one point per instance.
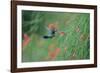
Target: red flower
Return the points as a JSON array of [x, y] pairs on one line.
[[62, 33], [26, 40], [54, 53]]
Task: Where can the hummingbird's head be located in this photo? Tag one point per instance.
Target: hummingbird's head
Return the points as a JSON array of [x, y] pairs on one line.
[[52, 26]]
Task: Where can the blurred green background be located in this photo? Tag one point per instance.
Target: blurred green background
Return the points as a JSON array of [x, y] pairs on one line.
[[73, 45]]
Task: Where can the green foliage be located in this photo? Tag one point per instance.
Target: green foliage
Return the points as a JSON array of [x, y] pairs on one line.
[[34, 23]]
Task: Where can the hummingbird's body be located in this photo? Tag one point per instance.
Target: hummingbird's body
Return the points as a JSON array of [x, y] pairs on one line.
[[51, 34], [51, 30]]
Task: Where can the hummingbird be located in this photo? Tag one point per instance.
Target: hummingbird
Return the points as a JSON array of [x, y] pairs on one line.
[[51, 30]]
